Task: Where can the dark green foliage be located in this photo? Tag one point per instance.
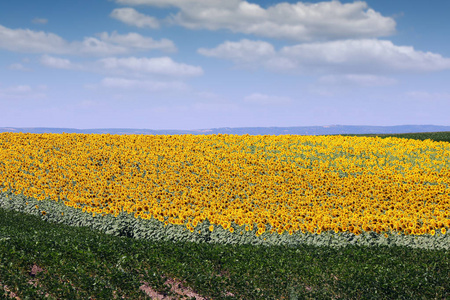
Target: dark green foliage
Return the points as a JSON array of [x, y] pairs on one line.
[[435, 136], [80, 263]]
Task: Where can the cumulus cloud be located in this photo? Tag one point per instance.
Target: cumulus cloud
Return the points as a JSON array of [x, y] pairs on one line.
[[29, 41], [131, 17], [241, 52], [96, 47], [39, 21], [267, 99], [18, 67], [161, 65], [357, 79], [128, 66], [372, 54], [58, 63], [366, 56], [137, 41], [292, 21], [123, 83]]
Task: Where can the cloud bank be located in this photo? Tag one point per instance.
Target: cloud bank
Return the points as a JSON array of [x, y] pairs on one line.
[[302, 22], [131, 17], [30, 41], [366, 56]]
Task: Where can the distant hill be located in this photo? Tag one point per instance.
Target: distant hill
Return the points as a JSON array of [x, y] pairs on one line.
[[308, 130]]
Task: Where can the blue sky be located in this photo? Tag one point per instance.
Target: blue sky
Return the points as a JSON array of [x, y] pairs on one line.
[[193, 64]]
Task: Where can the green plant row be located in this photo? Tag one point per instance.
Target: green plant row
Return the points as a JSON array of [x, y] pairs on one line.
[[443, 136], [126, 224]]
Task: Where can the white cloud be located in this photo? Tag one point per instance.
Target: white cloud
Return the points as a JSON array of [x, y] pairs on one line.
[[244, 51], [93, 46], [358, 79], [29, 41], [40, 21], [20, 92], [293, 21], [160, 65], [122, 83], [57, 63], [137, 41], [131, 17], [267, 100], [346, 56], [128, 66], [18, 67], [360, 55]]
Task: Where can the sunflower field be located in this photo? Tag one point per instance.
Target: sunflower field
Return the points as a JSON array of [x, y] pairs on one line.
[[254, 188]]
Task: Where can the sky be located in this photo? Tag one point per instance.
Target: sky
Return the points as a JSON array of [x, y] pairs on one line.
[[197, 64]]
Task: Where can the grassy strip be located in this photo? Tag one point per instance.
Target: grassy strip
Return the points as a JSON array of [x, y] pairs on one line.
[[80, 263]]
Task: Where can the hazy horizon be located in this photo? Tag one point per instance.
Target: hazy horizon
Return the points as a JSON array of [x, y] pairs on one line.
[[324, 126], [199, 64]]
